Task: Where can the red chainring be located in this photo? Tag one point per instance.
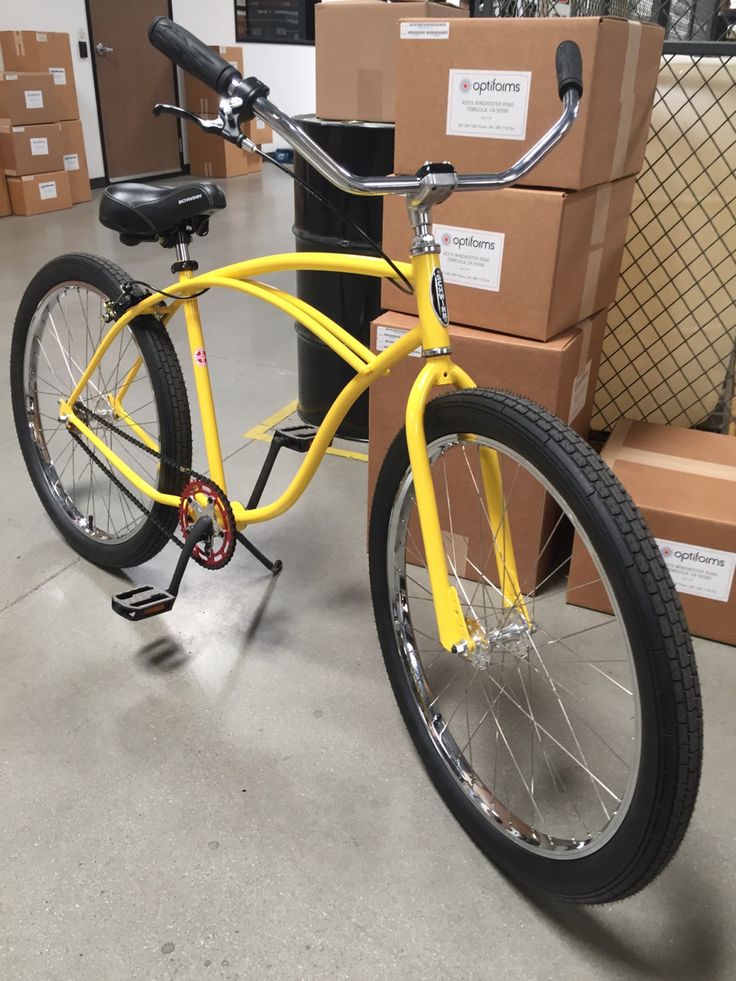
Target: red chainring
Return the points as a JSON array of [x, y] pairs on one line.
[[216, 551]]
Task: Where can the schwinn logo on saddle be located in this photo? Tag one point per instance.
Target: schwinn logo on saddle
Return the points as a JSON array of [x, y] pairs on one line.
[[439, 301], [471, 256], [192, 197], [488, 104]]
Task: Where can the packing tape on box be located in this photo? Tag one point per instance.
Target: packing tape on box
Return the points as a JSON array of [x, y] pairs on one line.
[[586, 329], [616, 452], [628, 99], [595, 250], [20, 49]]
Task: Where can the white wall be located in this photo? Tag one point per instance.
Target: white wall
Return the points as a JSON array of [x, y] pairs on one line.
[[287, 69]]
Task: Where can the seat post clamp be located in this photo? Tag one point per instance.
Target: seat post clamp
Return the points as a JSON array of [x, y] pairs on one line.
[[185, 265]]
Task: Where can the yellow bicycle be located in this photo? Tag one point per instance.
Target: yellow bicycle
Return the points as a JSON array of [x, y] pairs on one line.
[[563, 733]]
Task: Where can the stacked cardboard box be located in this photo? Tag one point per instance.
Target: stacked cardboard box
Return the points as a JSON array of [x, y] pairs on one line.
[[211, 156], [538, 262], [683, 482], [356, 50], [41, 139]]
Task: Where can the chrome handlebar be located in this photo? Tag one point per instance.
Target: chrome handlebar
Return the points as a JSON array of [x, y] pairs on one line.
[[246, 97], [419, 189]]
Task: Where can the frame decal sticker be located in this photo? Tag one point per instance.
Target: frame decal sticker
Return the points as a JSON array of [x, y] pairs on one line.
[[439, 300]]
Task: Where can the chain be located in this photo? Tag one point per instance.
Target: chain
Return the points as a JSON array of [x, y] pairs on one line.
[[86, 414]]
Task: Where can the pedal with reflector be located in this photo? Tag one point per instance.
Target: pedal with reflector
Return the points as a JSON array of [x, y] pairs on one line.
[[142, 602], [148, 601]]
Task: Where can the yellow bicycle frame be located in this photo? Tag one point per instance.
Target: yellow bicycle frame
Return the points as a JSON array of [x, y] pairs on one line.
[[431, 334]]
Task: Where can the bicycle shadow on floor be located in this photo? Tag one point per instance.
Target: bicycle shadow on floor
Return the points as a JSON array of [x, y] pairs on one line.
[[679, 936]]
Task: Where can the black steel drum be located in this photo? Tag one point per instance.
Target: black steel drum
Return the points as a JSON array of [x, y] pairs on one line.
[[352, 301]]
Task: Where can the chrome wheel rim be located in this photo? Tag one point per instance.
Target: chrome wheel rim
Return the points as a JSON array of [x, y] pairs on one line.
[[544, 740], [65, 330]]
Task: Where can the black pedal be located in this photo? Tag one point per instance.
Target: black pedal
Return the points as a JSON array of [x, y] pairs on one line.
[[142, 602], [298, 438]]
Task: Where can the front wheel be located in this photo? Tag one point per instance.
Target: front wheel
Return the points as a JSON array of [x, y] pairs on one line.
[[568, 745]]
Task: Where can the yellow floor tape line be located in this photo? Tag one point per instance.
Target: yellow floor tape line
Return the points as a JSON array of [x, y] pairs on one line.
[[263, 432]]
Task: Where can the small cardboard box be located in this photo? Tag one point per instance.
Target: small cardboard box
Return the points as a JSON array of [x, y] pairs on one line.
[[75, 160], [39, 193], [684, 483], [31, 149], [48, 51], [520, 261], [27, 98], [257, 132], [489, 92], [201, 98], [5, 208], [560, 375], [356, 47], [211, 156]]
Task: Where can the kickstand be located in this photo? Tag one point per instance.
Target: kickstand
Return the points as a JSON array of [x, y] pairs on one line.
[[273, 567]]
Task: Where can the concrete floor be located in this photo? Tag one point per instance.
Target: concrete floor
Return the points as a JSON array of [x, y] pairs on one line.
[[229, 792]]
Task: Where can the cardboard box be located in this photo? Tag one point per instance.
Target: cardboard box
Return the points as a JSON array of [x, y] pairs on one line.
[[35, 51], [27, 98], [489, 92], [201, 98], [560, 375], [211, 156], [257, 132], [5, 208], [39, 193], [31, 149], [75, 160], [683, 481], [356, 51], [518, 261]]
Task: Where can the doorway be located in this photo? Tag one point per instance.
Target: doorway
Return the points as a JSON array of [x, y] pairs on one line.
[[130, 77]]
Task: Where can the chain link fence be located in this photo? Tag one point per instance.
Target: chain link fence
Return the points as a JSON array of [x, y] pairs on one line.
[[670, 350]]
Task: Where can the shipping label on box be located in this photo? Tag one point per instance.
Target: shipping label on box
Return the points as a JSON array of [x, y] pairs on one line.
[[420, 30], [488, 104], [470, 256], [47, 190], [71, 161], [33, 98], [699, 571]]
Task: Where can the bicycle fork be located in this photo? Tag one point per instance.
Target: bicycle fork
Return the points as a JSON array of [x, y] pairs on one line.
[[454, 627]]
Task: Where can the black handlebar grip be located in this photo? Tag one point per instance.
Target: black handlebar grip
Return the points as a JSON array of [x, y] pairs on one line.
[[191, 54], [569, 65]]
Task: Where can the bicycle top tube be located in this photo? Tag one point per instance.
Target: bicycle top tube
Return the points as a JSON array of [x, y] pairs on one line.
[[244, 98]]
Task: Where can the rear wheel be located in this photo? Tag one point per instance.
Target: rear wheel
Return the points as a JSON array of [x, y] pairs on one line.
[[61, 320], [569, 744]]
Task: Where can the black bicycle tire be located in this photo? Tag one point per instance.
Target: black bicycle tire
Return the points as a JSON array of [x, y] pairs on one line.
[[169, 391], [668, 778]]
